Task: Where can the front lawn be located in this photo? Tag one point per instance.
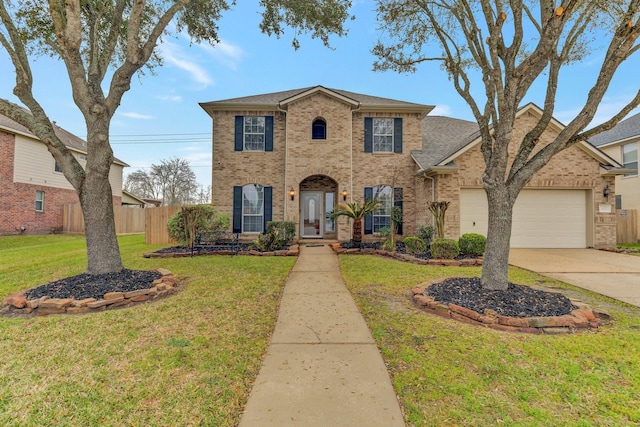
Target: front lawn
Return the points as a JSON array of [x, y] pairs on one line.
[[451, 373], [188, 360]]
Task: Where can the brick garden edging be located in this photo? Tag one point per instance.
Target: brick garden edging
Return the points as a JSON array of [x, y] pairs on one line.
[[294, 250], [338, 249], [581, 318], [18, 304]]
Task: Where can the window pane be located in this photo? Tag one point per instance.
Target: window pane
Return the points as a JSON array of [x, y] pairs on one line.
[[383, 135], [39, 201], [254, 133], [630, 157], [252, 208], [319, 130], [329, 202], [382, 215]]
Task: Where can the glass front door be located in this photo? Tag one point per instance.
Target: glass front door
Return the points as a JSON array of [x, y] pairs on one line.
[[312, 223]]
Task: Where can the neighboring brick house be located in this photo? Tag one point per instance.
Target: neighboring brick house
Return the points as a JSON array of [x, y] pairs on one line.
[[621, 143], [293, 155], [33, 190]]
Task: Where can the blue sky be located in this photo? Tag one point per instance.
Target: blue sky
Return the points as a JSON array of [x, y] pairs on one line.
[[160, 118]]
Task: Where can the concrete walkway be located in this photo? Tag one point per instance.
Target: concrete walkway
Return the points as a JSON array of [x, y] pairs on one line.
[[608, 273], [322, 367]]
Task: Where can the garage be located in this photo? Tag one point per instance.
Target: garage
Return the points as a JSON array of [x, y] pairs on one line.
[[541, 218]]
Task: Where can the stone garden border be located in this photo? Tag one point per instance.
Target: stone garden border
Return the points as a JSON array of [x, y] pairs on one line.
[[338, 249], [582, 318], [294, 250], [18, 304]]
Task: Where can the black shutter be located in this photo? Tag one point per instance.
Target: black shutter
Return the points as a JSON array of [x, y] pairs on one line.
[[397, 201], [368, 219], [268, 133], [268, 209], [397, 135], [239, 134], [368, 135], [237, 209]]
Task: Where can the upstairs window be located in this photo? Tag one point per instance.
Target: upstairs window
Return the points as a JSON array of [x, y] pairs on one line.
[[382, 135], [630, 157], [319, 129], [253, 133], [57, 167]]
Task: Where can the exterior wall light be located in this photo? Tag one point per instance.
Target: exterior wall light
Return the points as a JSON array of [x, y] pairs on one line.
[[344, 194], [605, 192], [292, 193]]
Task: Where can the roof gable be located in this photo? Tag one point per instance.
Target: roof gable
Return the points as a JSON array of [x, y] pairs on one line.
[[446, 139], [280, 100], [70, 140]]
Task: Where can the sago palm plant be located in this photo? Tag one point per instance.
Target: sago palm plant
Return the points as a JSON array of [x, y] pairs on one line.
[[356, 211]]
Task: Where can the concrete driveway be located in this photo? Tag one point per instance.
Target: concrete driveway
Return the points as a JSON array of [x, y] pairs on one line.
[[607, 273]]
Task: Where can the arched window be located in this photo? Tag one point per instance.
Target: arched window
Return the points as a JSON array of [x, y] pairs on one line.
[[382, 215], [319, 129], [252, 208]]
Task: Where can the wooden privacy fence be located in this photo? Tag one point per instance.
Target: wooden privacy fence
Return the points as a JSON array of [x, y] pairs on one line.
[[127, 219], [156, 224], [627, 226]]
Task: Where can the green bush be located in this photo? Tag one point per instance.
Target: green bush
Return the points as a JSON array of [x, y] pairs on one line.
[[425, 232], [444, 249], [472, 244], [286, 229], [184, 225], [415, 245]]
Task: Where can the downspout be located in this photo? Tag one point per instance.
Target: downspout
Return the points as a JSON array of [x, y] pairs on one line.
[[285, 216]]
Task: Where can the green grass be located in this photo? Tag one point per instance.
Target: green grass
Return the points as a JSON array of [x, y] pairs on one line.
[[187, 360], [451, 373], [191, 359]]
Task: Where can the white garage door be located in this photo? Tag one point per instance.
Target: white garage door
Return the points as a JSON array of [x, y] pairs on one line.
[[541, 218]]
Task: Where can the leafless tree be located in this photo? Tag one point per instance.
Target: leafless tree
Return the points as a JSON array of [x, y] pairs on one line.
[[494, 51]]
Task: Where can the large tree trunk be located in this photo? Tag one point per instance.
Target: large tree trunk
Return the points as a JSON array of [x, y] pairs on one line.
[[496, 256], [96, 200]]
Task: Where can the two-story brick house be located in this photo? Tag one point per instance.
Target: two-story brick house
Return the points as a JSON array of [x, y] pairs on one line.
[[293, 155], [33, 190]]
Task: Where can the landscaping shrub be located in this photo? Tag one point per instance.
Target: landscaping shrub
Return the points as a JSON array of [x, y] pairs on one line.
[[425, 232], [184, 225], [472, 244], [287, 229], [415, 245], [444, 249]]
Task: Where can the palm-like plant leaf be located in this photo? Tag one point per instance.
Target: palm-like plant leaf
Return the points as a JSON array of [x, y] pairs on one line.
[[355, 210]]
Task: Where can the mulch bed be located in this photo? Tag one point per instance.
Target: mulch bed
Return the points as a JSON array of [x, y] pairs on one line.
[[516, 301], [95, 286]]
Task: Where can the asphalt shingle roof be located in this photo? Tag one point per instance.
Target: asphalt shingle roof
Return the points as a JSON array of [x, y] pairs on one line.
[[68, 139], [625, 129], [441, 137], [276, 98]]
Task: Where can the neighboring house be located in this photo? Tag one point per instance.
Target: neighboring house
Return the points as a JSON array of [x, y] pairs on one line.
[[621, 143], [293, 155], [131, 200], [33, 190]]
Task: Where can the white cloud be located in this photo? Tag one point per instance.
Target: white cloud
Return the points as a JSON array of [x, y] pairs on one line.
[[137, 116], [608, 108], [175, 55], [172, 98], [224, 53]]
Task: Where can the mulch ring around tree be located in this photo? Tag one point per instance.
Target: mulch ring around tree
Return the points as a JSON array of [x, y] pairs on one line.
[[87, 293], [519, 308]]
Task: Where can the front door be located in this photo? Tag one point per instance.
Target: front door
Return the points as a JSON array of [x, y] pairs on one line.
[[312, 214]]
